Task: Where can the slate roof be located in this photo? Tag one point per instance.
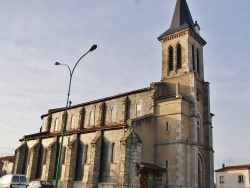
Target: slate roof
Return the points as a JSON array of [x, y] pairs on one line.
[[181, 15], [229, 168], [181, 19]]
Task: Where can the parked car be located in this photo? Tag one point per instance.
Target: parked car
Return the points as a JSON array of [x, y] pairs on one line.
[[40, 184], [13, 180]]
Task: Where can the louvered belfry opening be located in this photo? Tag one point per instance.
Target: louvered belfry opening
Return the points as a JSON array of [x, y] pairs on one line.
[[198, 61], [170, 58], [193, 60], [179, 57]]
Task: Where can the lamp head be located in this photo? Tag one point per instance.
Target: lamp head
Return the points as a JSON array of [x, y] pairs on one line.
[[93, 48], [57, 63]]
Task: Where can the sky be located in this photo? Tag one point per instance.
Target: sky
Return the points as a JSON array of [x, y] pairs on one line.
[[35, 34]]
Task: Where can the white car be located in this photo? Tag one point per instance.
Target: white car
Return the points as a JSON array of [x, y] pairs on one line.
[[13, 181]]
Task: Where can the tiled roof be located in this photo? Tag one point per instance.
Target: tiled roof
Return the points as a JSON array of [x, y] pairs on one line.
[[229, 168], [7, 158]]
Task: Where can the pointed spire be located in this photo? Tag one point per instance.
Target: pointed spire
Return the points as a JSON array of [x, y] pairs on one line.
[[181, 15], [181, 19]]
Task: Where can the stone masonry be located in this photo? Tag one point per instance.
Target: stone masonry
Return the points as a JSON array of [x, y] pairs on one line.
[[159, 136]]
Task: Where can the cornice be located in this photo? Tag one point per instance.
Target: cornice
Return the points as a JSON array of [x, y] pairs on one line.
[[197, 37], [74, 131], [186, 31], [174, 35]]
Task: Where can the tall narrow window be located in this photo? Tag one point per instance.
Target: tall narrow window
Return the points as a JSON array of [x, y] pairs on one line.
[[138, 109], [198, 60], [193, 58], [113, 114], [170, 58], [82, 118], [179, 56], [56, 125], [78, 165], [112, 152], [91, 119], [56, 150], [198, 132], [72, 124], [167, 127]]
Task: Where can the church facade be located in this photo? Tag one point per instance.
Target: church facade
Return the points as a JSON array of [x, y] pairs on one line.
[[159, 136]]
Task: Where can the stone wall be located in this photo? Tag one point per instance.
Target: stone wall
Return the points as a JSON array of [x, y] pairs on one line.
[[99, 113]]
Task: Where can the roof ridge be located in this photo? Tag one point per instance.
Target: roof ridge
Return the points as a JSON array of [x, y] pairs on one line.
[[245, 166]]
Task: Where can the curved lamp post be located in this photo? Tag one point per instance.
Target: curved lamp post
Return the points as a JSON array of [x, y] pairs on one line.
[[58, 165]]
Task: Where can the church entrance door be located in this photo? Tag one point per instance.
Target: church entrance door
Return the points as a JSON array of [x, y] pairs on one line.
[[144, 179]]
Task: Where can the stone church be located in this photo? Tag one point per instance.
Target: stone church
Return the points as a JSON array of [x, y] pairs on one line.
[[156, 137]]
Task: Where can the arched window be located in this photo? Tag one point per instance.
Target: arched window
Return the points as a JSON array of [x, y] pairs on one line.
[[179, 56], [56, 149], [91, 119], [82, 118], [56, 125], [138, 109], [113, 114], [170, 58], [193, 58], [49, 123], [198, 60], [72, 123], [201, 171], [112, 152], [78, 165]]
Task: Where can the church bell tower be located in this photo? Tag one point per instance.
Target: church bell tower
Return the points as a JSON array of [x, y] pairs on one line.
[[182, 45], [183, 74]]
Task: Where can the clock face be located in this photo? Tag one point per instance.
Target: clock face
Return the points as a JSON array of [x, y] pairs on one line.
[[197, 29]]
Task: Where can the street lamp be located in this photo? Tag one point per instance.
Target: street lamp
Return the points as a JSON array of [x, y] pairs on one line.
[[58, 165]]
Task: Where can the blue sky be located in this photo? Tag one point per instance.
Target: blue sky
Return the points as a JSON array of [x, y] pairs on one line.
[[35, 34]]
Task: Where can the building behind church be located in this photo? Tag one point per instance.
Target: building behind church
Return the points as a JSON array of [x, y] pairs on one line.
[[159, 136], [6, 165], [233, 176]]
